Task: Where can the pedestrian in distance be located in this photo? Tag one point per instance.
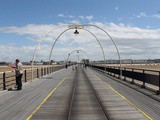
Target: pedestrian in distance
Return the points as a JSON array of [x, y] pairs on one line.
[[76, 67], [19, 74], [72, 67], [85, 66], [66, 66]]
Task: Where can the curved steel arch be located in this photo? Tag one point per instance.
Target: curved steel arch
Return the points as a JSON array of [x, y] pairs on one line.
[[112, 42], [70, 28], [33, 57], [43, 38], [85, 30], [76, 51], [99, 44]]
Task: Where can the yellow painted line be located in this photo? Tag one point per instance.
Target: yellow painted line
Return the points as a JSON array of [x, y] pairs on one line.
[[30, 116], [145, 114]]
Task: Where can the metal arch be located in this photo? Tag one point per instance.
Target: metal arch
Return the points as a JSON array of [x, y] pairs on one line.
[[82, 25], [112, 42], [56, 42], [83, 55], [76, 51], [33, 57], [81, 51], [80, 56], [83, 29], [99, 44]]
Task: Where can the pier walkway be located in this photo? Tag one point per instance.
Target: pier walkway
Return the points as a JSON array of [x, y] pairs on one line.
[[82, 94]]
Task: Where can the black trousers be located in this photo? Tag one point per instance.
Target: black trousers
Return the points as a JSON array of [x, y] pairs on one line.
[[19, 81]]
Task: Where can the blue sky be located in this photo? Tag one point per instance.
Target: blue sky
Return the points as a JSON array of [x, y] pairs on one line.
[[23, 12], [18, 17]]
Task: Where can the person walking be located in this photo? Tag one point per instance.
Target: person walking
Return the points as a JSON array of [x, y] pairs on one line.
[[72, 67], [19, 74]]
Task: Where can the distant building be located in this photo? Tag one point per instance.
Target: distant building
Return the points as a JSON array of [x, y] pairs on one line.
[[85, 61], [26, 63], [4, 63], [130, 61]]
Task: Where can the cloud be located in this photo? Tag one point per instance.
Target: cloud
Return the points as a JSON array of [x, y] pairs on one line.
[[133, 42], [89, 17], [31, 29], [116, 8], [61, 15], [116, 30], [81, 17], [142, 14], [71, 16], [74, 22], [156, 16]]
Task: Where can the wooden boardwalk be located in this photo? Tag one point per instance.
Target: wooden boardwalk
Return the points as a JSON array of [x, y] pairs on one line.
[[49, 98]]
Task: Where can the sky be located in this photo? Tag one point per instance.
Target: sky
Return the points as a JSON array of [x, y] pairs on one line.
[[133, 24]]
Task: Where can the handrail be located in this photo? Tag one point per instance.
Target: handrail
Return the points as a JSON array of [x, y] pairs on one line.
[[143, 77], [7, 77], [23, 69], [132, 68]]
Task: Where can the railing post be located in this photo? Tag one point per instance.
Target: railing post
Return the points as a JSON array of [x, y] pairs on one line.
[[51, 69], [108, 70], [111, 72], [119, 72], [25, 76], [132, 82], [41, 72], [158, 92], [33, 73], [37, 73], [48, 70], [124, 74], [114, 72], [144, 79], [4, 81]]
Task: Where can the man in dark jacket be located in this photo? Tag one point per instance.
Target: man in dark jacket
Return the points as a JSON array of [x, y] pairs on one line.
[[19, 74]]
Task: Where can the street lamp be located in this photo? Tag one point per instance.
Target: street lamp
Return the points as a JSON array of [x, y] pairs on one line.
[[76, 32]]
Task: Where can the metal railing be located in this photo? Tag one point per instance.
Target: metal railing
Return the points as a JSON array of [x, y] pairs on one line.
[[142, 77], [8, 78]]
